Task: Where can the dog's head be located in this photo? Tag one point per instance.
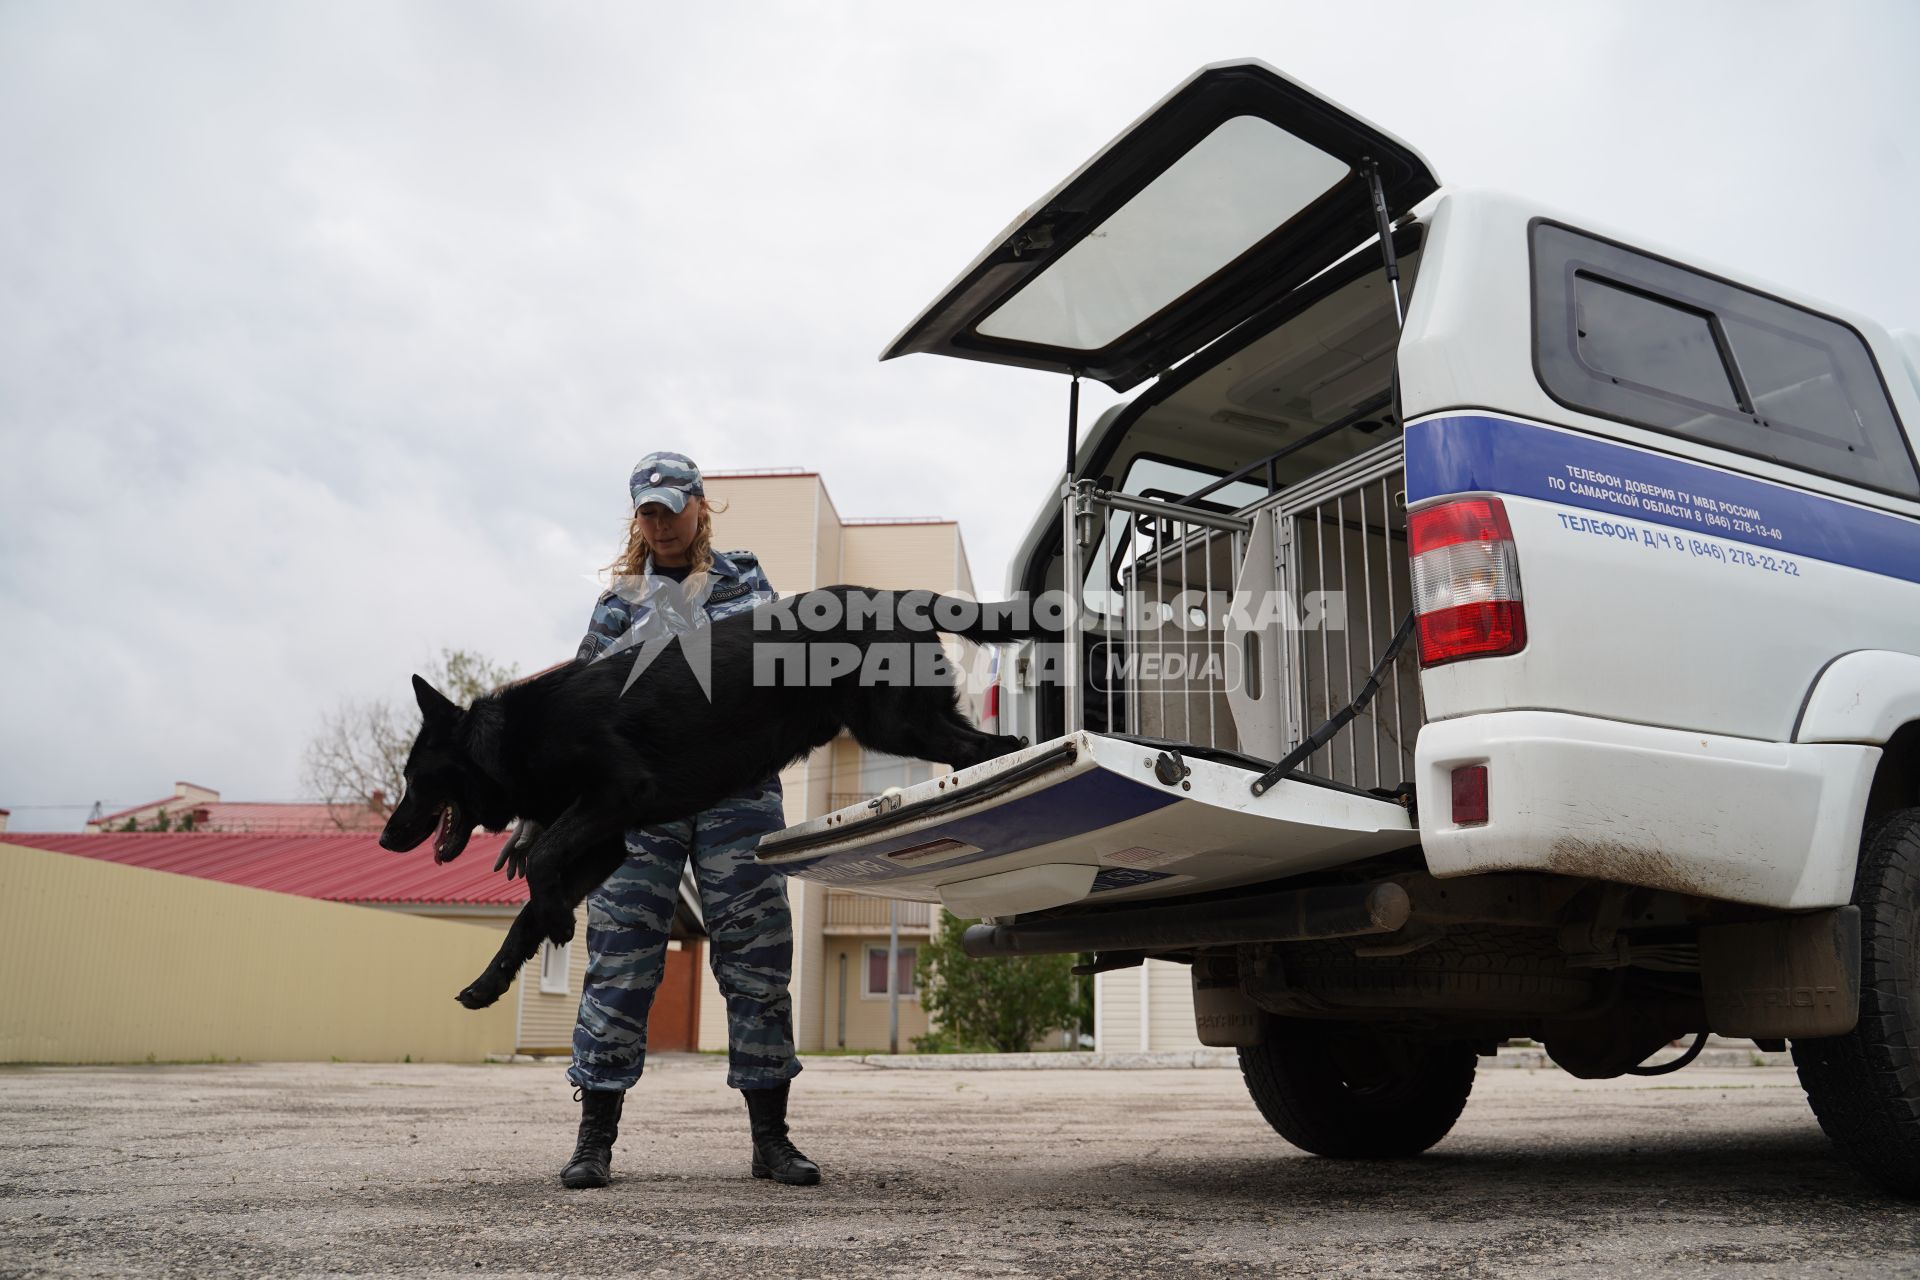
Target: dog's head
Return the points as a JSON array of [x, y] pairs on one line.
[[445, 785]]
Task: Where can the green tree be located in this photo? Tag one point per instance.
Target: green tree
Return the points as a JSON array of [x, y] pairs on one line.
[[1004, 1003], [356, 760]]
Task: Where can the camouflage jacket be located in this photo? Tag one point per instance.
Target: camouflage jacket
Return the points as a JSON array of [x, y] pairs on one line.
[[737, 584]]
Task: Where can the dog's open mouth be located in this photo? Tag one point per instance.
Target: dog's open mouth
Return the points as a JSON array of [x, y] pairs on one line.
[[454, 830]]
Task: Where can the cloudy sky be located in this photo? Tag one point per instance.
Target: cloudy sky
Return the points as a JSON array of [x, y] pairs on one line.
[[329, 331]]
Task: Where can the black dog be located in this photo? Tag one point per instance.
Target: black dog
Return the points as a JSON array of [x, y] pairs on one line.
[[570, 750]]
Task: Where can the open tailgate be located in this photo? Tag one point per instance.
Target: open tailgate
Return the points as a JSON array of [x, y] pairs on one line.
[[1079, 816]]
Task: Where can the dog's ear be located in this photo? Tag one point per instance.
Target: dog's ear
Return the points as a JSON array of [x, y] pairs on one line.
[[434, 705]]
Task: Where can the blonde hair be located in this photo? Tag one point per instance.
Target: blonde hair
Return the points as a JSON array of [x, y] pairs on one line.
[[632, 560]]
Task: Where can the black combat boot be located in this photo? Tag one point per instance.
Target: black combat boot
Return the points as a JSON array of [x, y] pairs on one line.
[[592, 1163], [773, 1156]]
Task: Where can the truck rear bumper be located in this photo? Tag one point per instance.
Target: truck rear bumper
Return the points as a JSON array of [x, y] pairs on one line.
[[1769, 823]]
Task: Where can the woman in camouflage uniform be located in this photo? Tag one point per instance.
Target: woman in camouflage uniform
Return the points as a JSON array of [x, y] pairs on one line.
[[744, 904]]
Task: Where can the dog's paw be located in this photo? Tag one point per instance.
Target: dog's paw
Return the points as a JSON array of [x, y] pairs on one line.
[[556, 926], [1004, 744], [479, 995]]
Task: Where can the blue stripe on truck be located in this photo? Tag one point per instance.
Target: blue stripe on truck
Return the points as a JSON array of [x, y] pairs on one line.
[[1481, 453], [1073, 807]]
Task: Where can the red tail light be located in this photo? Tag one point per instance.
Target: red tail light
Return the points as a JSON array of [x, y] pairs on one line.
[[1466, 581], [990, 709]]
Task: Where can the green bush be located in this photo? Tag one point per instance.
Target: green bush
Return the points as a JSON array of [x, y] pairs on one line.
[[1004, 1004], [940, 1040]]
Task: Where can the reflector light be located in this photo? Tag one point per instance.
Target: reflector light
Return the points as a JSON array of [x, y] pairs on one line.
[[1470, 795], [1466, 581]]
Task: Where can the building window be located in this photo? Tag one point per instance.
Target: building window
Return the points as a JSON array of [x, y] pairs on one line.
[[873, 774], [877, 972], [878, 772], [553, 968]]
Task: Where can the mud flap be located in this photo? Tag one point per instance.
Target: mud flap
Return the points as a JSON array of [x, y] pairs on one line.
[[1223, 1017], [1797, 977]]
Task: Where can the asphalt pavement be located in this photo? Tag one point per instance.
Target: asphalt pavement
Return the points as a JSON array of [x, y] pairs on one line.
[[443, 1170]]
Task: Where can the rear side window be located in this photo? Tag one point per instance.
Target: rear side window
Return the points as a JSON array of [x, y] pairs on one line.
[[1649, 341], [1642, 340]]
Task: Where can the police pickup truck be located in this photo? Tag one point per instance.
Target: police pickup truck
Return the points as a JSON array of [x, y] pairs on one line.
[[1488, 625]]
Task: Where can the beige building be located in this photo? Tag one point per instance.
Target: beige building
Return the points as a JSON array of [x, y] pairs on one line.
[[790, 522], [1149, 1007], [179, 968], [349, 868]]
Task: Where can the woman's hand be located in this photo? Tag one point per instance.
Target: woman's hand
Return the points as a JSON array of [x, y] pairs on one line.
[[513, 854]]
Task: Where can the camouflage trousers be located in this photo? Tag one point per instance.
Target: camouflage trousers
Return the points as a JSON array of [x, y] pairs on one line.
[[749, 932]]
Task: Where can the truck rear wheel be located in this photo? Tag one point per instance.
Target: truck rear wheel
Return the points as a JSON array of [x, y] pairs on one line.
[[1352, 1092], [1865, 1085]]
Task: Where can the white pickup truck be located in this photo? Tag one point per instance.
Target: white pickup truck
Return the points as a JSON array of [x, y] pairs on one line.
[[1489, 626]]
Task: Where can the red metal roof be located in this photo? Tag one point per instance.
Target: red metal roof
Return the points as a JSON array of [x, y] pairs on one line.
[[239, 815], [324, 818], [345, 867], [141, 808]]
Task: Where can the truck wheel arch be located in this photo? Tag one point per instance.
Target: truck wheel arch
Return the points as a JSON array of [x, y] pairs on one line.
[[1871, 696]]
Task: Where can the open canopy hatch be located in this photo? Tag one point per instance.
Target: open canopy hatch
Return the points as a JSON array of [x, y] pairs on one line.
[[1238, 186]]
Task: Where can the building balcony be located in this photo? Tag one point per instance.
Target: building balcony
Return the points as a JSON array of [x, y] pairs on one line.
[[858, 913]]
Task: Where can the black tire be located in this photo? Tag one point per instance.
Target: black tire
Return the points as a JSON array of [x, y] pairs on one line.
[[1865, 1085], [1353, 1093]]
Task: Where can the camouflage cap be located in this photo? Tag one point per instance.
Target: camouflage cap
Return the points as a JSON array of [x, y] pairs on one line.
[[667, 478]]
